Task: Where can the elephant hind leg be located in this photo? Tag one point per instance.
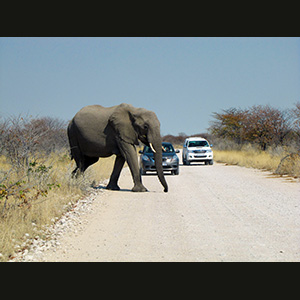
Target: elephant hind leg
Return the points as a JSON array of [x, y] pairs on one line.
[[78, 157], [82, 163], [86, 162], [75, 172]]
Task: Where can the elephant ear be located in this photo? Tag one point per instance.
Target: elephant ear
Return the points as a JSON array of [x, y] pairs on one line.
[[122, 121]]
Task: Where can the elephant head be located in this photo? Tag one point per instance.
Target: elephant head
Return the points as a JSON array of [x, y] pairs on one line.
[[133, 124]]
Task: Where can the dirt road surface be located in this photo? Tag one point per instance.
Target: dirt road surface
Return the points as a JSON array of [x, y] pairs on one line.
[[211, 213]]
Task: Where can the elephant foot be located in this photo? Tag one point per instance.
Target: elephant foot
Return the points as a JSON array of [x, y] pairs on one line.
[[139, 188], [112, 187]]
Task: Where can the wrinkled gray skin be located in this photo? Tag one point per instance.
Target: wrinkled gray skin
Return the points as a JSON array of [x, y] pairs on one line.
[[98, 131]]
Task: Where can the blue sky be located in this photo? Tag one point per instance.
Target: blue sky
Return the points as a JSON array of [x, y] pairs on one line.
[[183, 80]]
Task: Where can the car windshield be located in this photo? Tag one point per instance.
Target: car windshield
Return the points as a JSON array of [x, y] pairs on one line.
[[198, 144], [167, 148]]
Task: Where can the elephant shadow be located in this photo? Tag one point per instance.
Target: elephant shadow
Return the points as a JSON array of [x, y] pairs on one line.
[[103, 187]]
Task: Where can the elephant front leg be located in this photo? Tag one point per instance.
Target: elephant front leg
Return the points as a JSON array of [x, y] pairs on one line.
[[129, 152], [113, 182]]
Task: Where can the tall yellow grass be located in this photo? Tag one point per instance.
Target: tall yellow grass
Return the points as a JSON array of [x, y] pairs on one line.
[[17, 224], [253, 159], [282, 164]]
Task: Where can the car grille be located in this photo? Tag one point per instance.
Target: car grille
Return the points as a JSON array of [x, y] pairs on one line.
[[199, 151]]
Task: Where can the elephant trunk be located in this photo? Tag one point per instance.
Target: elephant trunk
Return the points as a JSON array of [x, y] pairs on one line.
[[157, 145]]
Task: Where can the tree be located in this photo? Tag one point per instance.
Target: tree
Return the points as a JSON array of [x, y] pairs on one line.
[[296, 123], [229, 124], [296, 119], [266, 126]]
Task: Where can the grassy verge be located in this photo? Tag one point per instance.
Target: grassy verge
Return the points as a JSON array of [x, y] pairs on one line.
[[282, 163], [35, 196]]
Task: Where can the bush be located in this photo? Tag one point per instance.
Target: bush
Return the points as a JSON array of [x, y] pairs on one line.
[[289, 165], [24, 139]]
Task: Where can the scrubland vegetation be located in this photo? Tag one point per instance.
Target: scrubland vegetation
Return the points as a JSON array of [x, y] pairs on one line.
[[261, 137], [36, 186]]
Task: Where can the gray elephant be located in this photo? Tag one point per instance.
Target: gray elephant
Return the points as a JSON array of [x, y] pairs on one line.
[[98, 131]]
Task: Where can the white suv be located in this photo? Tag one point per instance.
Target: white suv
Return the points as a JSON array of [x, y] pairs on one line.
[[197, 149]]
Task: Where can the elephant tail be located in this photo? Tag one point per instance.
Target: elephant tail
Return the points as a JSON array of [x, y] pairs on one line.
[[72, 152], [71, 155], [72, 139]]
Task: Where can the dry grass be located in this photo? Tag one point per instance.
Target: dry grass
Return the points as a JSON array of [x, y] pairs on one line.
[[27, 217], [102, 169], [280, 163], [253, 159]]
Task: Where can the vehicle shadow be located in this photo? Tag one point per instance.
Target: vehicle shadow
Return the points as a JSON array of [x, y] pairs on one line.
[[193, 164], [166, 173]]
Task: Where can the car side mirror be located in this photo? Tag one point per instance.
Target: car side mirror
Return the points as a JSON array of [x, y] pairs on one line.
[[211, 145], [177, 151], [141, 152]]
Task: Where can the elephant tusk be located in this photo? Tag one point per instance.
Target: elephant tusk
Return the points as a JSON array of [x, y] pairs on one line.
[[151, 146]]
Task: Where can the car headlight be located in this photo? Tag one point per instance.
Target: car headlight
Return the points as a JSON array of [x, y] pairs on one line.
[[209, 151], [145, 158], [175, 157]]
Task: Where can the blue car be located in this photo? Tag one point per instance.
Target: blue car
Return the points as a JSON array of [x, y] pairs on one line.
[[170, 160]]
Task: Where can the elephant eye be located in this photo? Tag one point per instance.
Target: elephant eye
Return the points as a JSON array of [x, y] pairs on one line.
[[146, 127]]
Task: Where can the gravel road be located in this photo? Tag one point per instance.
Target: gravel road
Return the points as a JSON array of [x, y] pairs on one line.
[[211, 213]]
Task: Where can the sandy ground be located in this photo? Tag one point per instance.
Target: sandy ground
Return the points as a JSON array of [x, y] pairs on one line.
[[211, 213]]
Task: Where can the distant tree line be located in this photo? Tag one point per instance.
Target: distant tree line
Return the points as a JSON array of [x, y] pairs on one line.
[[262, 125], [22, 138], [180, 138]]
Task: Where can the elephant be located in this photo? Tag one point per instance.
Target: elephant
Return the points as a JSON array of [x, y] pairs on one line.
[[97, 131]]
